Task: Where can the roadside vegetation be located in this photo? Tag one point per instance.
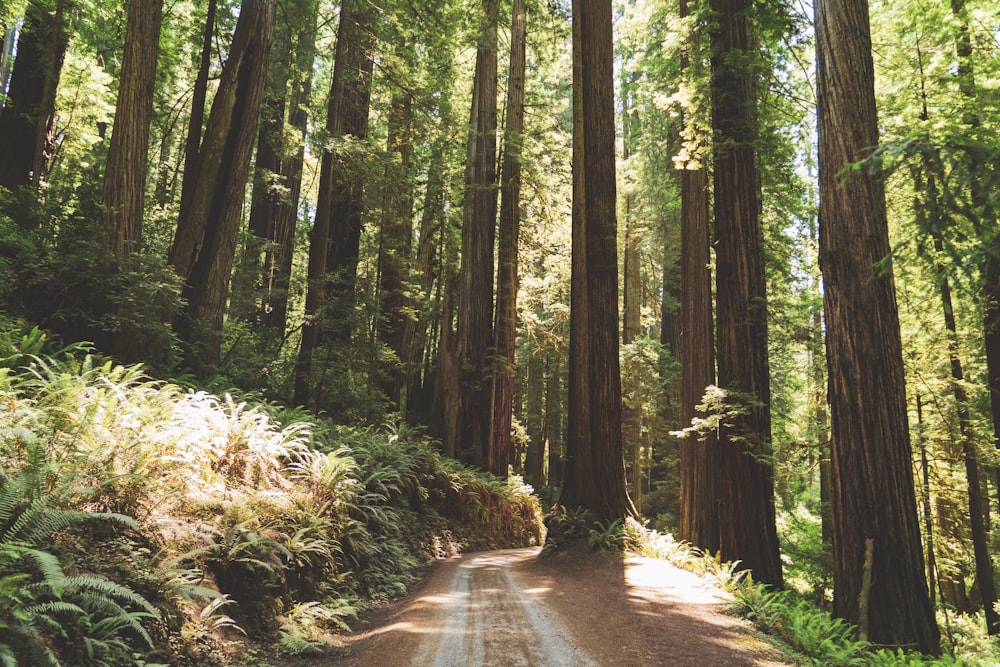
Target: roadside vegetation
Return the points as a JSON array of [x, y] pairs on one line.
[[795, 619], [147, 523]]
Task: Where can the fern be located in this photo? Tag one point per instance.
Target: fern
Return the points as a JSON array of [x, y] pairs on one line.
[[39, 596]]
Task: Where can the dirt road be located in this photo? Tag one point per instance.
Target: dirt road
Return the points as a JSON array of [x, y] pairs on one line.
[[511, 608]]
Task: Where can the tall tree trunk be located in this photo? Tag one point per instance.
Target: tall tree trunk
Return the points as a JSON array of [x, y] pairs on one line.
[[125, 174], [534, 422], [192, 144], [209, 228], [277, 206], [337, 207], [747, 529], [873, 493], [632, 307], [925, 502], [631, 321], [420, 342], [553, 444], [505, 327], [990, 267], [699, 465], [929, 219], [26, 122], [396, 246], [475, 309], [349, 183], [268, 183], [595, 467]]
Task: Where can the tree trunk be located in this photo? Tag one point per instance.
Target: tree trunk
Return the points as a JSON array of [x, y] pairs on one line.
[[871, 458], [348, 176], [554, 443], [331, 239], [26, 122], [631, 319], [990, 266], [475, 308], [505, 328], [420, 342], [217, 202], [277, 271], [182, 262], [927, 513], [929, 219], [699, 465], [595, 467], [747, 529], [125, 174], [396, 246], [266, 196], [534, 423]]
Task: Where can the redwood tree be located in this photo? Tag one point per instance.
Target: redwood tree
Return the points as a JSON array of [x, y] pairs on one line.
[[336, 231], [879, 579], [594, 476], [747, 529], [699, 520], [205, 244], [27, 120], [475, 294], [125, 174], [505, 329]]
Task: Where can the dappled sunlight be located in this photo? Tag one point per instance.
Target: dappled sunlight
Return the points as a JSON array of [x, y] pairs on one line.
[[653, 580]]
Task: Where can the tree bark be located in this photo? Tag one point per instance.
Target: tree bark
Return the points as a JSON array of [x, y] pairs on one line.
[[534, 423], [747, 529], [192, 144], [475, 307], [396, 246], [210, 227], [346, 215], [871, 458], [280, 252], [26, 122], [699, 466], [505, 325], [595, 467], [929, 219], [990, 266], [125, 173], [338, 203]]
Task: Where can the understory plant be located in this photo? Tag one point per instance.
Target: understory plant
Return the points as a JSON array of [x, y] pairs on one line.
[[812, 636], [49, 616], [223, 519]]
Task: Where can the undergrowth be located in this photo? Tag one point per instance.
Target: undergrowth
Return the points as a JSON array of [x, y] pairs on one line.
[[809, 635], [144, 523]]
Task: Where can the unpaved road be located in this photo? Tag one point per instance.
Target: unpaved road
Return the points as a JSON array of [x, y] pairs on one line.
[[511, 608]]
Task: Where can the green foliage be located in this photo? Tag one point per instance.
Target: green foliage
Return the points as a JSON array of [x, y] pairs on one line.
[[819, 638], [265, 523], [49, 617], [608, 535]]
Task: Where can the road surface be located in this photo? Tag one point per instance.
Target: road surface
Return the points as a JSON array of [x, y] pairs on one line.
[[511, 609]]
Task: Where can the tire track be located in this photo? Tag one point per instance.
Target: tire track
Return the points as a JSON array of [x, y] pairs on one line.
[[487, 618]]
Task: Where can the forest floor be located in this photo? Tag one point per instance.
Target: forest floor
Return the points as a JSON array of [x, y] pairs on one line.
[[581, 608]]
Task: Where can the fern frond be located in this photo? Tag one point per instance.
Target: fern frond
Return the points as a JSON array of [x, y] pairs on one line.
[[113, 626], [53, 577], [52, 607], [110, 589]]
